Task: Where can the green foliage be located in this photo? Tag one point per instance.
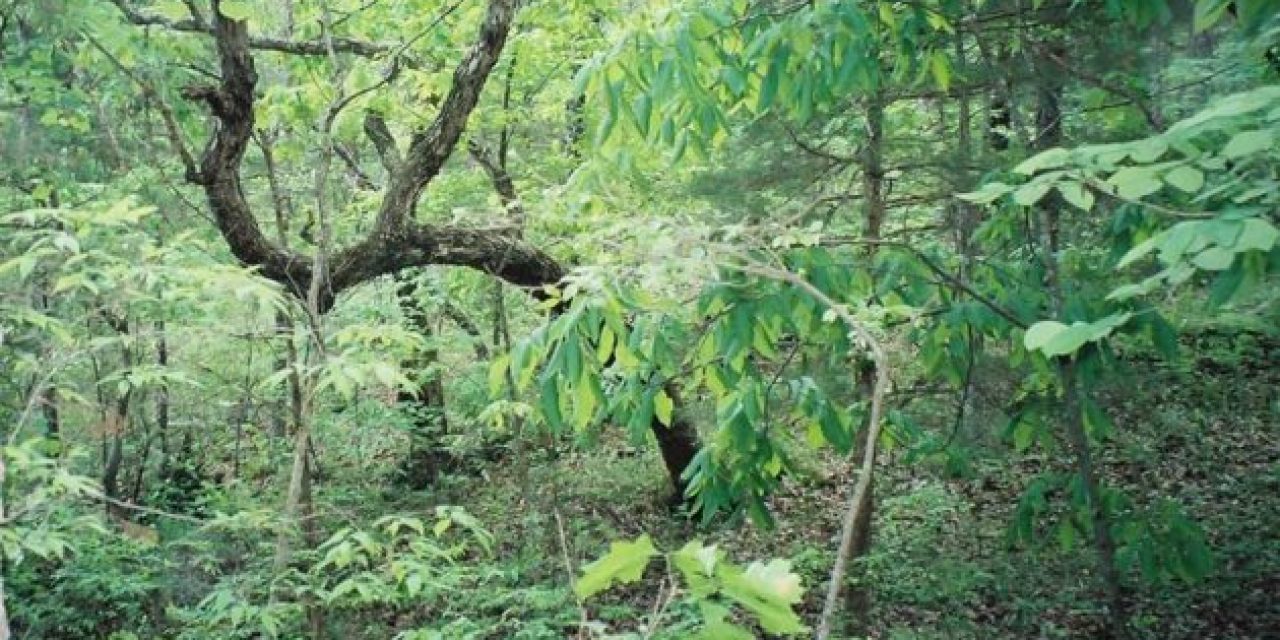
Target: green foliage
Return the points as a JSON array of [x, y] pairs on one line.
[[1062, 283], [767, 591]]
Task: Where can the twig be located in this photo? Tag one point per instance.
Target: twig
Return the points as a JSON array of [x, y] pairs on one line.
[[568, 567]]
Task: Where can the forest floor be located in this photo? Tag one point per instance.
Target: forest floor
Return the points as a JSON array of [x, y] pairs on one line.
[[1206, 434]]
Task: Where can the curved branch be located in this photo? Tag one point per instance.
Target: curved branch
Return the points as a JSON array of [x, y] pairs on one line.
[[196, 24], [430, 149], [493, 251], [231, 102]]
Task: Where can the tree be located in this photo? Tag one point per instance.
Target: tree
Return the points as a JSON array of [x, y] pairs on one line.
[[396, 242]]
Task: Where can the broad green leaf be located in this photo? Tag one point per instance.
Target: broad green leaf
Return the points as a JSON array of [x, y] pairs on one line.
[[1208, 13], [1056, 339], [1069, 340], [767, 591], [1134, 183], [940, 67], [1214, 259], [1066, 534], [697, 564], [625, 563], [604, 347], [1186, 178], [987, 193], [1031, 193], [1076, 194], [1047, 159], [1247, 143], [716, 626], [1258, 234], [1148, 151], [549, 402], [584, 401], [1040, 333]]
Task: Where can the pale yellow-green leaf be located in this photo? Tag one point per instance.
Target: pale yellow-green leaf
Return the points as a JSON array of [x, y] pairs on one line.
[[625, 563], [236, 9], [663, 407]]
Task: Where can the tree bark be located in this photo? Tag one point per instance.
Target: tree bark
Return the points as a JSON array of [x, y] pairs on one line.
[[858, 600]]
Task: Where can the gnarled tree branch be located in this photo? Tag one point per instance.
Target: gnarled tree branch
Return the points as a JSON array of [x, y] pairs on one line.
[[397, 242]]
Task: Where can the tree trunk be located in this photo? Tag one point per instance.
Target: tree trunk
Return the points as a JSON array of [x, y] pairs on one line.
[[678, 444], [1049, 134], [4, 562], [49, 409], [858, 599], [426, 400], [396, 242]]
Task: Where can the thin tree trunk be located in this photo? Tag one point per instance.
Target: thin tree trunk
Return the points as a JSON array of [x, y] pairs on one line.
[[49, 409], [858, 599], [117, 421], [1049, 134], [4, 562], [162, 396]]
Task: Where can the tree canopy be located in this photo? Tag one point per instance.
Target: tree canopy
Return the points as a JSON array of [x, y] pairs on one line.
[[661, 319]]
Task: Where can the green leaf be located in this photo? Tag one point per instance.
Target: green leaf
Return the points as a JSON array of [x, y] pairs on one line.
[[604, 347], [1214, 259], [940, 67], [1031, 193], [1258, 234], [1076, 194], [988, 193], [1208, 13], [625, 563], [584, 401], [1069, 340], [1066, 534], [1148, 151], [641, 112], [1096, 421], [1137, 252], [1186, 178], [1134, 183], [1047, 159], [1247, 143], [236, 9], [1040, 333], [549, 402], [767, 591], [1056, 339], [715, 625], [663, 407]]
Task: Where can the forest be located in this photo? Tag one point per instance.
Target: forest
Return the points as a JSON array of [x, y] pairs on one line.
[[639, 319]]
